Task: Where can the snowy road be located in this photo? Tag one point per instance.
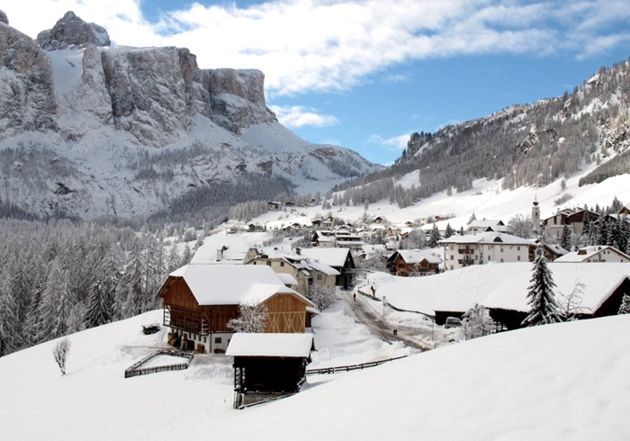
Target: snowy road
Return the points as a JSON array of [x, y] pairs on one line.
[[365, 313]]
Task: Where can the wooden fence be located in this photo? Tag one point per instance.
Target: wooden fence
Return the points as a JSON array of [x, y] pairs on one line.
[[135, 370], [350, 367]]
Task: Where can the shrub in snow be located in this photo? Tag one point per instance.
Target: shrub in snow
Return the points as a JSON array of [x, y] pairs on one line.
[[322, 296], [544, 307], [625, 304], [571, 304], [60, 353], [252, 318], [477, 322]]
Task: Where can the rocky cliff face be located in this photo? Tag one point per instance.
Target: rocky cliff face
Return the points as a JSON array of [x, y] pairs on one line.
[[27, 96], [70, 31], [96, 131]]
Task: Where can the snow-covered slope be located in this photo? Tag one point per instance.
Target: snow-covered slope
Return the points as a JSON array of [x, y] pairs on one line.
[[97, 131], [560, 382]]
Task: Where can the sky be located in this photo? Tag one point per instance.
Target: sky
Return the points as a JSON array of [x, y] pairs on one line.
[[365, 74]]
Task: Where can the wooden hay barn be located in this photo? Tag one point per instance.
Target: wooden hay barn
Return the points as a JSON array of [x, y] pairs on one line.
[[268, 365], [200, 300]]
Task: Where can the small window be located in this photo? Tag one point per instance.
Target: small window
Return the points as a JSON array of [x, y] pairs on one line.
[[452, 257], [501, 249], [217, 340], [281, 263], [254, 263], [518, 248], [269, 263], [451, 266], [319, 277], [501, 259], [518, 257]]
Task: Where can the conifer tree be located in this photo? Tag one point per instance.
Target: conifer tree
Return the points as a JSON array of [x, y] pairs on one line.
[[434, 237], [541, 298], [55, 305], [449, 231], [625, 304], [10, 337], [131, 292], [565, 240]]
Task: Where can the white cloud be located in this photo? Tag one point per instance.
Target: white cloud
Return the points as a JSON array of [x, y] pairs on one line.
[[299, 116], [398, 142], [316, 45]]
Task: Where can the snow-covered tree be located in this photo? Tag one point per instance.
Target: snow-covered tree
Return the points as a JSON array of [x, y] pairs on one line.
[[565, 240], [434, 237], [60, 354], [571, 303], [252, 318], [541, 298], [449, 231], [521, 226], [625, 304], [477, 322], [56, 303], [322, 296]]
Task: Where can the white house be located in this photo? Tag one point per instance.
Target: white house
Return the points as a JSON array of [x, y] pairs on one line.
[[475, 249], [595, 254]]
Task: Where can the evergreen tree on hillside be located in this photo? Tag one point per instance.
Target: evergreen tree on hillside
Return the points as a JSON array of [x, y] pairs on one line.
[[449, 231], [625, 304], [541, 298], [565, 240], [434, 237], [10, 337], [131, 294], [101, 307], [56, 303]]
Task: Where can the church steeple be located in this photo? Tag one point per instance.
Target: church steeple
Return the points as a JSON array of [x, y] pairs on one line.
[[536, 217]]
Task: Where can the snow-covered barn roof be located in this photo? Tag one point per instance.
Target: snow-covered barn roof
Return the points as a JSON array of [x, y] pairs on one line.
[[501, 285], [270, 345], [585, 253], [323, 268], [487, 238], [233, 284], [335, 257]]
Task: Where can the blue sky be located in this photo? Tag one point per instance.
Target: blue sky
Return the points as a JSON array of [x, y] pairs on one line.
[[366, 73]]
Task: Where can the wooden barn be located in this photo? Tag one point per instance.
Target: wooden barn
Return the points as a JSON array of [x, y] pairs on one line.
[[584, 291], [413, 262], [200, 300], [268, 365]]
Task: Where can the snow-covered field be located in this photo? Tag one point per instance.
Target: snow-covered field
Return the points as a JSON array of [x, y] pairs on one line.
[[563, 382], [487, 200]]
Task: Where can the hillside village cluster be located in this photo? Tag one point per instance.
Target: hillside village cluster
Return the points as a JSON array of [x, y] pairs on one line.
[[235, 286]]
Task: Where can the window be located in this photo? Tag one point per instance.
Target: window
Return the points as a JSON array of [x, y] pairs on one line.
[[254, 263], [281, 263], [217, 340], [518, 257], [501, 249], [451, 266], [452, 257], [518, 248], [319, 277], [269, 263], [501, 259]]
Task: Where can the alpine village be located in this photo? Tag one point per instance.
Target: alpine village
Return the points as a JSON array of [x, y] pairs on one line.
[[177, 262]]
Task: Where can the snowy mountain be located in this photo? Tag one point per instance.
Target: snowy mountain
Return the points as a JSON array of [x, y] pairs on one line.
[[531, 144], [96, 131], [563, 382]]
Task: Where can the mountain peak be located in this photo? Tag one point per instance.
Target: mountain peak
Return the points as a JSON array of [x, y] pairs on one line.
[[3, 17], [72, 31]]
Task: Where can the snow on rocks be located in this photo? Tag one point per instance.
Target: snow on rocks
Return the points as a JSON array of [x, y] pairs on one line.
[[72, 31], [3, 17]]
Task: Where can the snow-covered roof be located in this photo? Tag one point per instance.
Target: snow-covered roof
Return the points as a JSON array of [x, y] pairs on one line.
[[417, 256], [557, 249], [287, 279], [335, 257], [485, 223], [501, 285], [586, 253], [233, 284], [595, 282], [233, 246], [270, 345], [322, 268], [488, 238]]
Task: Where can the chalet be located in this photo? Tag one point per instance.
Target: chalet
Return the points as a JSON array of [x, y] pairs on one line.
[[306, 273], [200, 299], [324, 238], [267, 365], [574, 219], [486, 225], [337, 258], [273, 205], [595, 254], [413, 262], [584, 291], [475, 249]]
